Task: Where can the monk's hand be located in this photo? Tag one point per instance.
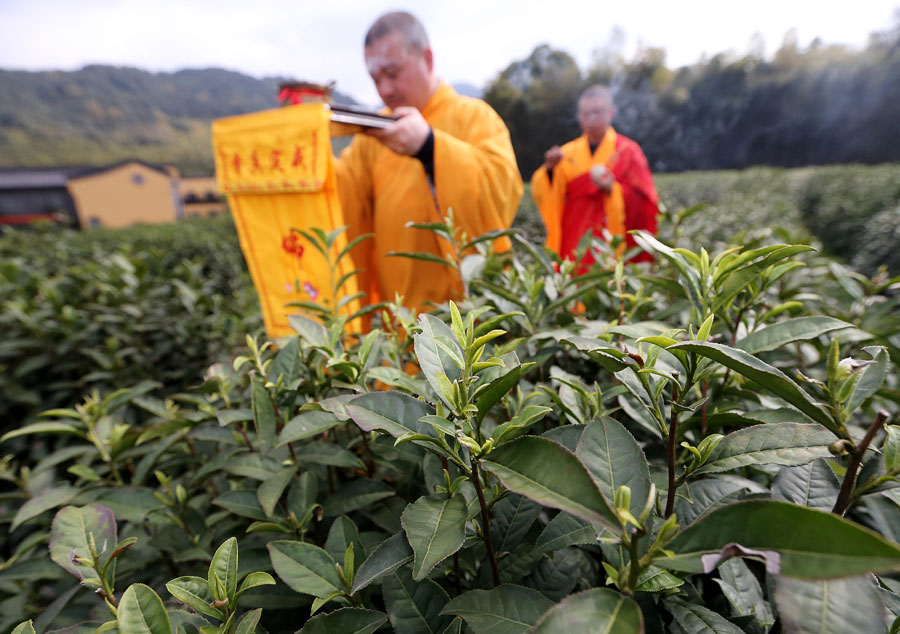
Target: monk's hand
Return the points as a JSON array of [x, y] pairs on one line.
[[602, 177], [552, 157], [407, 134]]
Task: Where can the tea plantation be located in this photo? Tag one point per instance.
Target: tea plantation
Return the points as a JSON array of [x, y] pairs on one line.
[[709, 443]]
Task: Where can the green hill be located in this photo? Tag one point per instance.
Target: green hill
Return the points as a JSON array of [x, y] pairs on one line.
[[103, 114]]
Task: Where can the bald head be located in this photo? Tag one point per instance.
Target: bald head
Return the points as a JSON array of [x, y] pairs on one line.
[[596, 110], [598, 91], [399, 60], [402, 23]]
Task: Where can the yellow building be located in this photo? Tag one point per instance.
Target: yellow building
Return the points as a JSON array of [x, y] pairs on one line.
[[200, 197], [125, 194], [113, 196]]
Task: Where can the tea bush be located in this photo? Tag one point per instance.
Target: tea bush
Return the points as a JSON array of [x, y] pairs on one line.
[[705, 444], [106, 309]]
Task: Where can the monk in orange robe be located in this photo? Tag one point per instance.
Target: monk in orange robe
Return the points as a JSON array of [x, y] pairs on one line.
[[445, 151], [599, 180]]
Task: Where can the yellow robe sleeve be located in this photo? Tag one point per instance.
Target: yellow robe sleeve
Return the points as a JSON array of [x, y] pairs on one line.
[[549, 197], [478, 178], [354, 183]]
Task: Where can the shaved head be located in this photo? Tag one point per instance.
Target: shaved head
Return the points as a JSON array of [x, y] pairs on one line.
[[400, 22], [400, 61], [598, 91], [596, 111]]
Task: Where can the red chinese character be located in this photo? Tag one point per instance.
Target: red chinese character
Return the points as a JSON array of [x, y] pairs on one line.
[[298, 157], [236, 163], [276, 161], [255, 160]]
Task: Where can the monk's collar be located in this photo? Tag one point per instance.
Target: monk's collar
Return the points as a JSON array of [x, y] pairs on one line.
[[443, 93]]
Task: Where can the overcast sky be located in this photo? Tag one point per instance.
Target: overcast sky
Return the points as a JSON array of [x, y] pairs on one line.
[[473, 40]]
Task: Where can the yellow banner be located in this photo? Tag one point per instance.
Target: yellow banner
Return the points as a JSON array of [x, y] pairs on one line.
[[275, 167]]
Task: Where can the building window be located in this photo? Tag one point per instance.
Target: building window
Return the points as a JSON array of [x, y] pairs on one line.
[[137, 179]]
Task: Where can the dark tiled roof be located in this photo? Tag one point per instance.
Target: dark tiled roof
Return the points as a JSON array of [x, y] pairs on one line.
[[34, 178], [54, 177]]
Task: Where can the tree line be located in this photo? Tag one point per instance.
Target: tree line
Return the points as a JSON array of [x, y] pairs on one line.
[[822, 104]]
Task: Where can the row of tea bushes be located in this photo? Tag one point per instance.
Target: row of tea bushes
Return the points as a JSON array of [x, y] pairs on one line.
[[853, 210], [706, 444], [107, 309]]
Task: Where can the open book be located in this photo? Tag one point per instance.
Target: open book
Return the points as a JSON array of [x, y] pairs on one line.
[[346, 120]]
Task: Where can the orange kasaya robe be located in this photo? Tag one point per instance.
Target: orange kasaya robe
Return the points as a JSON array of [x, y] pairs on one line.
[[475, 175], [570, 203]]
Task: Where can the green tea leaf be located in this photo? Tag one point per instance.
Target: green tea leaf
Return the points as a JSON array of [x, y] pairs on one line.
[[194, 592], [70, 537], [223, 569], [341, 535], [522, 467], [436, 528], [345, 621], [602, 352], [141, 611], [785, 444], [741, 587], [270, 491], [255, 580], [329, 454], [355, 495], [263, 414], [243, 503], [785, 332], [307, 425], [696, 619], [42, 502], [499, 386], [565, 530], [432, 359], [829, 606], [305, 568], [814, 485], [819, 545], [506, 609], [415, 607], [763, 374], [424, 257], [873, 377], [26, 627], [512, 518], [614, 459], [51, 427], [385, 559], [392, 412], [595, 610], [249, 622], [712, 492], [312, 332]]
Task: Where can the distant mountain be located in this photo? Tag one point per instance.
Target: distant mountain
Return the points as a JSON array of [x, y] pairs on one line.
[[103, 114], [467, 89]]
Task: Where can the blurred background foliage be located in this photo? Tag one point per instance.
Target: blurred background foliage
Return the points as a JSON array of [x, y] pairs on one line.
[[819, 105], [107, 309], [823, 104]]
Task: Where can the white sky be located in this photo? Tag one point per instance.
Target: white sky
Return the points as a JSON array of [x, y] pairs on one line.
[[473, 40]]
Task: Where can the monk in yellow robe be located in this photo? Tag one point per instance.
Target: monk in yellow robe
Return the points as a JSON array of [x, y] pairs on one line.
[[601, 180], [444, 151]]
